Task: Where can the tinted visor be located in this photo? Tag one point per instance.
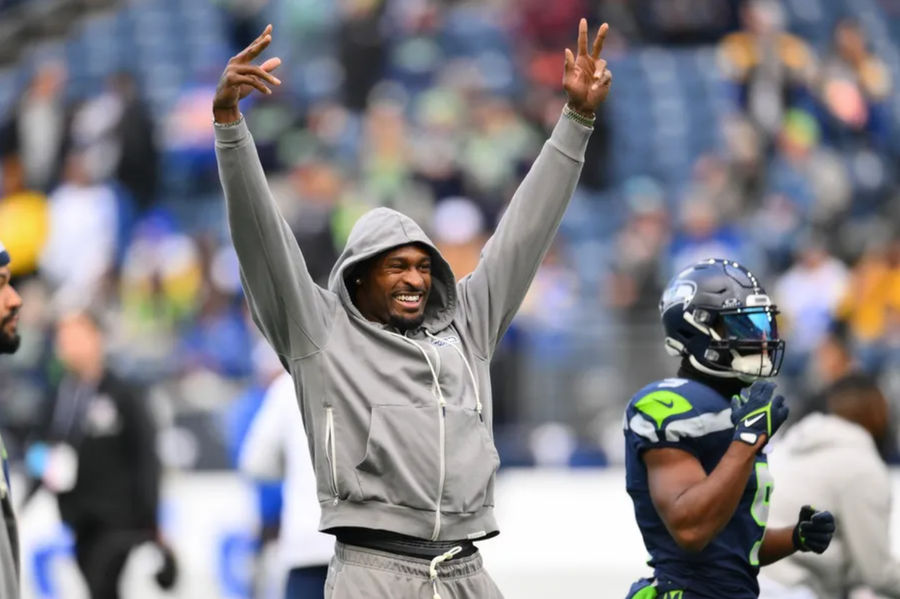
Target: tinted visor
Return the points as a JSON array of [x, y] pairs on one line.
[[751, 324]]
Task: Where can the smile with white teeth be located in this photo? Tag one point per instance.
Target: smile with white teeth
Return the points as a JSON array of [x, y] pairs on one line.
[[409, 298]]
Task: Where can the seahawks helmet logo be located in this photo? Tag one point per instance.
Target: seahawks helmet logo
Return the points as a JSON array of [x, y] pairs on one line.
[[681, 292]]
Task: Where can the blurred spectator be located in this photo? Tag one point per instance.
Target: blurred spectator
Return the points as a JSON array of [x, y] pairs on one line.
[[37, 132], [239, 418], [808, 295], [871, 305], [809, 174], [832, 460], [774, 228], [83, 233], [770, 67], [638, 272], [363, 49], [160, 286], [276, 448], [24, 219], [459, 233], [189, 162], [854, 87], [245, 20], [216, 337], [100, 458], [701, 234], [685, 22]]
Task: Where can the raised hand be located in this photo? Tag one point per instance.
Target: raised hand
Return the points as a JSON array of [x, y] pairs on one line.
[[586, 78], [241, 77], [757, 412]]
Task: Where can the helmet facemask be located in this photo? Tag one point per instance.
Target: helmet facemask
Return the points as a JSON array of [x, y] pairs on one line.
[[741, 342]]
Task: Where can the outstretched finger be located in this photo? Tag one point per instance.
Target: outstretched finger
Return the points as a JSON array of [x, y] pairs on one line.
[[252, 81], [271, 64], [256, 46], [255, 71], [582, 37], [570, 60], [598, 41]]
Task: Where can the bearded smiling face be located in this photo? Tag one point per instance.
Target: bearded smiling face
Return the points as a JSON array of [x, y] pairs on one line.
[[395, 287], [10, 303]]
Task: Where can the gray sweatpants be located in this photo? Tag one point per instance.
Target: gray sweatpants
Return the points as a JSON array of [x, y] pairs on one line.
[[357, 573]]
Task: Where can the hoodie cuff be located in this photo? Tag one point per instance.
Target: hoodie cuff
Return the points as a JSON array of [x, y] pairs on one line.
[[570, 138], [231, 133]]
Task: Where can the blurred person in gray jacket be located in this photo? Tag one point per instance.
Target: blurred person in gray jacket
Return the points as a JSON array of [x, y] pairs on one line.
[[833, 459], [10, 304], [391, 362]]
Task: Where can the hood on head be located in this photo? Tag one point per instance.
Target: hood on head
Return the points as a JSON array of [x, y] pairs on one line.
[[382, 229]]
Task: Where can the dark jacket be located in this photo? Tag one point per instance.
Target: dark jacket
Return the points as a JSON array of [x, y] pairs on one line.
[[114, 436]]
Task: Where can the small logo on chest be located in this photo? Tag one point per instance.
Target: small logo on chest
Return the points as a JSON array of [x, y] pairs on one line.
[[444, 341]]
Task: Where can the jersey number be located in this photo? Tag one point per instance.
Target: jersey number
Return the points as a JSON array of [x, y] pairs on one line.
[[759, 509]]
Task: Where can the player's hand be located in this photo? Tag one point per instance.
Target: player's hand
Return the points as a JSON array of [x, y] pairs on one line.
[[586, 78], [241, 77], [814, 530], [755, 412]]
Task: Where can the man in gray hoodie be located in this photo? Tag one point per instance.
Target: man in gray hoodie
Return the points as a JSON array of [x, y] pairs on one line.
[[391, 362], [10, 303], [832, 459]]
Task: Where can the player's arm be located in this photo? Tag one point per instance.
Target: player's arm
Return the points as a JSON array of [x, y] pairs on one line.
[[777, 544], [290, 309], [696, 506], [492, 294]]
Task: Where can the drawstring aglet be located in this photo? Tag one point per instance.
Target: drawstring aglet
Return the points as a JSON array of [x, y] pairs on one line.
[[432, 569]]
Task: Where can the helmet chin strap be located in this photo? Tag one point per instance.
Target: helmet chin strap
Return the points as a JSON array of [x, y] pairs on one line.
[[722, 374]]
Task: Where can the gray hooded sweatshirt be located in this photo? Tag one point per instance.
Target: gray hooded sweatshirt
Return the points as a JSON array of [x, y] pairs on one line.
[[399, 423], [833, 464]]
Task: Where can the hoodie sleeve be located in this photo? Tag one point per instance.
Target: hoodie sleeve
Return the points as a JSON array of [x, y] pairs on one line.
[[491, 295], [865, 507], [287, 306]]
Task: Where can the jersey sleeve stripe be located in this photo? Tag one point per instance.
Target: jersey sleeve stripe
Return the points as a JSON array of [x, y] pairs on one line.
[[699, 426], [643, 428]]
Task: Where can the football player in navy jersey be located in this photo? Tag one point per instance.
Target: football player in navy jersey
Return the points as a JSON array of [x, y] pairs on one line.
[[695, 466]]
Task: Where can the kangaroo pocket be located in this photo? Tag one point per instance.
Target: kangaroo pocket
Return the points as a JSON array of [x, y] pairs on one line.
[[402, 461], [471, 461]]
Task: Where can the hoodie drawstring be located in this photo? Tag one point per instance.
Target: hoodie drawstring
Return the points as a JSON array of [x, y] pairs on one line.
[[432, 569], [434, 375], [468, 369]]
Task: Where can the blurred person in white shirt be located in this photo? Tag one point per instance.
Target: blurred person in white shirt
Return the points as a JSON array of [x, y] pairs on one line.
[[84, 221], [809, 294], [276, 447], [833, 459]]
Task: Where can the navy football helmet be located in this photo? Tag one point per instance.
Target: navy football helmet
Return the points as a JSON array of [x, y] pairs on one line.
[[718, 317]]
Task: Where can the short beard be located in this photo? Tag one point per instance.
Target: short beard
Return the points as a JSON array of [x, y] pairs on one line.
[[405, 324], [9, 343]]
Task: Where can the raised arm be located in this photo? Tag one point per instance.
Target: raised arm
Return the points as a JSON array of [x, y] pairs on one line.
[[491, 295], [289, 308]]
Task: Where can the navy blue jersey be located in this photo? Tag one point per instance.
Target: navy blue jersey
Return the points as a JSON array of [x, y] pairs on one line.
[[693, 417]]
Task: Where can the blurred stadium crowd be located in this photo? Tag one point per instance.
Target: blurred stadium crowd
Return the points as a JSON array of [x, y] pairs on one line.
[[763, 131]]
